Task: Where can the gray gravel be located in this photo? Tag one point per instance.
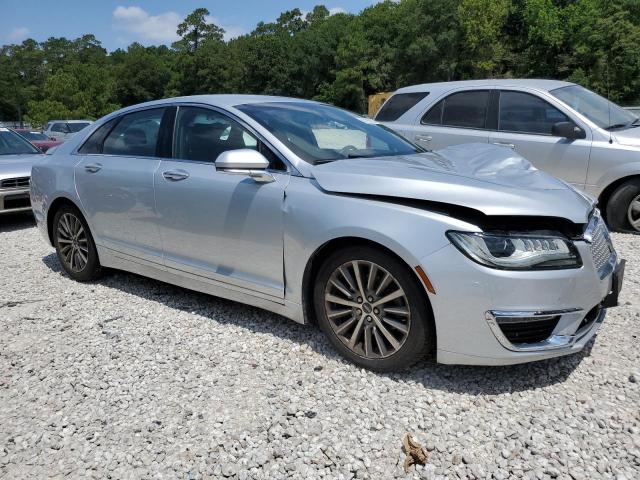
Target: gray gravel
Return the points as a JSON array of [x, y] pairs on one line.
[[132, 378]]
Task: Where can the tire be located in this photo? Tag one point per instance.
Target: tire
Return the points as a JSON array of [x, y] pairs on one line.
[[623, 207], [412, 333], [81, 263]]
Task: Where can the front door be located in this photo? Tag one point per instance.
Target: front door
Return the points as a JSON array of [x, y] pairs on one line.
[[524, 125], [114, 181], [218, 225]]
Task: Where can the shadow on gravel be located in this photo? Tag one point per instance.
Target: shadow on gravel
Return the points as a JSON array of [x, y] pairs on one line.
[[16, 221], [452, 378]]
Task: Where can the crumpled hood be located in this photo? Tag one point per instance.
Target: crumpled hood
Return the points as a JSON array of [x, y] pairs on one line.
[[12, 166], [493, 180], [629, 137]]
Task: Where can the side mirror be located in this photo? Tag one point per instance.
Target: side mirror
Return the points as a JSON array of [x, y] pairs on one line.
[[568, 130], [245, 161]]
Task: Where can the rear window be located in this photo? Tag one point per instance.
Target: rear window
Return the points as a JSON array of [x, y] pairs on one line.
[[76, 127], [398, 105]]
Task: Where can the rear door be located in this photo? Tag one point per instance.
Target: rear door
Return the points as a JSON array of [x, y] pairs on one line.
[[524, 124], [460, 117], [115, 179]]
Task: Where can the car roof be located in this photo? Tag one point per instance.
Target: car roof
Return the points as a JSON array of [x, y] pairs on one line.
[[217, 100], [70, 121], [539, 84]]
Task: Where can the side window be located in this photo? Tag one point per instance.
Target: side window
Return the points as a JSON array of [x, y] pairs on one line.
[[526, 113], [202, 134], [60, 128], [466, 109], [135, 135], [434, 115], [94, 143], [398, 105]]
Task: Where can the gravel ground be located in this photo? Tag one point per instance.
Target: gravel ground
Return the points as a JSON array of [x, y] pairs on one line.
[[132, 378]]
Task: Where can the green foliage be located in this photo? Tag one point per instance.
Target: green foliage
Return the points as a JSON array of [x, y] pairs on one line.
[[339, 58]]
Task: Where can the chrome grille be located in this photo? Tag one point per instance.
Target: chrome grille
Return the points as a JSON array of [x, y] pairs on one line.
[[21, 182], [601, 247]]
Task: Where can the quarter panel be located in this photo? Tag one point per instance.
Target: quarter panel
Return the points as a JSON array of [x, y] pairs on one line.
[[611, 162]]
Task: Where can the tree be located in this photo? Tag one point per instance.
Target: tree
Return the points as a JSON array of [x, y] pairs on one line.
[[195, 29]]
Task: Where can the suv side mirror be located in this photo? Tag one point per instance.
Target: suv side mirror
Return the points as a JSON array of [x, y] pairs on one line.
[[568, 130], [245, 161]]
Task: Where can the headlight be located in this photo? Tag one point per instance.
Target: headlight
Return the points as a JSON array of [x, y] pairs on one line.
[[517, 251]]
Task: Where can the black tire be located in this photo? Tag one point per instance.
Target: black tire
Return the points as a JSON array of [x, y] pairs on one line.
[[84, 271], [617, 210], [420, 338]]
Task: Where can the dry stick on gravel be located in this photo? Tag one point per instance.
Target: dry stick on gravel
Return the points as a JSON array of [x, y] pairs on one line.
[[414, 451]]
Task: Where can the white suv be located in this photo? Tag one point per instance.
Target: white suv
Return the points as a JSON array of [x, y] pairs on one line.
[[63, 129], [560, 127]]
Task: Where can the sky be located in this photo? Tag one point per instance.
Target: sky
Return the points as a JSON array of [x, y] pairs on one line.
[[151, 22]]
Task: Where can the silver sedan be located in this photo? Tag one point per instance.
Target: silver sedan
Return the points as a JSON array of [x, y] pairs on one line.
[[324, 217], [17, 156]]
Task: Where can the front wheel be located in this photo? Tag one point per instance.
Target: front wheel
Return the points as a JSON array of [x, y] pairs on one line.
[[623, 207], [373, 309], [74, 245]]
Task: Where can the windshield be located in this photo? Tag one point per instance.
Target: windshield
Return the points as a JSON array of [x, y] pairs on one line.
[[76, 127], [599, 110], [33, 135], [13, 144], [321, 133]]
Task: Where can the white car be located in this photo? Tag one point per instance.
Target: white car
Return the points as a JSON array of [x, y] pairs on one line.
[[560, 127], [63, 129]]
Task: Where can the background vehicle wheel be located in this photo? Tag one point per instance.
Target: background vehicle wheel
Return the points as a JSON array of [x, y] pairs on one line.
[[623, 208], [74, 245], [372, 309]]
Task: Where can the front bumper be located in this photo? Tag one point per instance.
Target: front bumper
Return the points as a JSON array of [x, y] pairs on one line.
[[473, 303], [14, 200]]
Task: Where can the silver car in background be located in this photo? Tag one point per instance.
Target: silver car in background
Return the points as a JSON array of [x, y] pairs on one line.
[[324, 217], [560, 127], [17, 156]]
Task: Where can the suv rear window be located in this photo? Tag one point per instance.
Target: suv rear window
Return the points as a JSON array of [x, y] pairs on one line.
[[398, 105]]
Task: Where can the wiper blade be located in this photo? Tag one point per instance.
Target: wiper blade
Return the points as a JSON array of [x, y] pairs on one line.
[[616, 125]]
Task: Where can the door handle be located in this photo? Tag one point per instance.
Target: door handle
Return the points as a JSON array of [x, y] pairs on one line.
[[505, 144], [93, 168], [424, 138], [175, 175]]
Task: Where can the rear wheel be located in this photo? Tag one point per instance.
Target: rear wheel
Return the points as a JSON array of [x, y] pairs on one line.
[[372, 309], [74, 245], [623, 207]]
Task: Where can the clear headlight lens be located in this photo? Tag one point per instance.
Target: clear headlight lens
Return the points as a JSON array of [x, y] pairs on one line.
[[517, 251]]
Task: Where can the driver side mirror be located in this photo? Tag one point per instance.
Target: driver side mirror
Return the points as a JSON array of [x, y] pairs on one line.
[[245, 161], [568, 130]]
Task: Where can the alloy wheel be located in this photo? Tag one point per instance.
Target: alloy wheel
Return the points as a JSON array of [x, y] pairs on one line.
[[72, 242], [633, 213], [367, 309]]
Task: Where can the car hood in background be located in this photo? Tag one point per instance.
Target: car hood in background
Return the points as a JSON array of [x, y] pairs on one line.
[[493, 180], [12, 166], [629, 137]]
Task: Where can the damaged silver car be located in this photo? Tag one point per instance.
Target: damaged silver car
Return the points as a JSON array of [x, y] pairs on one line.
[[324, 217]]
